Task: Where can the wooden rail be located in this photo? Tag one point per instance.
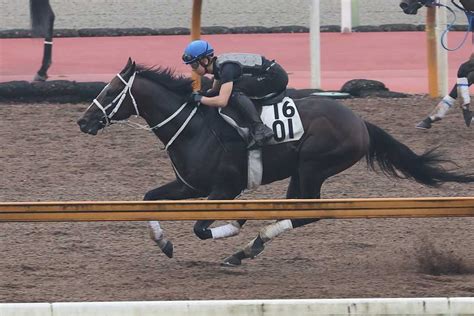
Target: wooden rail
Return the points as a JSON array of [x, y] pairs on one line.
[[237, 209]]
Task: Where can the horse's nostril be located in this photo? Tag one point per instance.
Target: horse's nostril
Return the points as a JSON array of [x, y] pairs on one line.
[[404, 6], [81, 122]]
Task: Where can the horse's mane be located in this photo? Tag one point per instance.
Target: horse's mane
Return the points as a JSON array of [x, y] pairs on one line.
[[167, 78]]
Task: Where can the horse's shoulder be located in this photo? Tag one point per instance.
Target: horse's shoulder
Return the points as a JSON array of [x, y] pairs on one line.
[[213, 120]]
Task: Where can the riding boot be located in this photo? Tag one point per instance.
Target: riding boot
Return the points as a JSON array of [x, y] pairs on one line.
[[260, 134]]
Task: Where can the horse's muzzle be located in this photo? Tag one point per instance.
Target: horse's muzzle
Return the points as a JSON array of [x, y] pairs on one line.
[[411, 9], [87, 128]]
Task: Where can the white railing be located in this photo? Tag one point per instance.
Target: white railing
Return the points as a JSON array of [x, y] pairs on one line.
[[307, 307]]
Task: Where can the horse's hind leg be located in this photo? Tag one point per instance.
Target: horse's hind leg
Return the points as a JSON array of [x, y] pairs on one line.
[[175, 190], [257, 245]]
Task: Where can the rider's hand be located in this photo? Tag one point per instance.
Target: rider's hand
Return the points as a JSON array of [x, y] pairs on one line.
[[195, 97]]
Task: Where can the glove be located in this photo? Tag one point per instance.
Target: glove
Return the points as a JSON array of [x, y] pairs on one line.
[[195, 97]]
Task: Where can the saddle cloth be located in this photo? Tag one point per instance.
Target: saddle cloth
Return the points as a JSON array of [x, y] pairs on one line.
[[282, 117]]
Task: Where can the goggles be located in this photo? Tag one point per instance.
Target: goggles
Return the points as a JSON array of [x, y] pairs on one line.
[[188, 59]]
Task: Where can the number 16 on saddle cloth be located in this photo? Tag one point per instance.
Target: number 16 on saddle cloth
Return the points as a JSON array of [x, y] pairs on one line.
[[284, 119]]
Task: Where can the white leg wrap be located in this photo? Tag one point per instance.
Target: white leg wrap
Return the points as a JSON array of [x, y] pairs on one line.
[[156, 231], [442, 108], [228, 230], [463, 91], [156, 234], [275, 229]]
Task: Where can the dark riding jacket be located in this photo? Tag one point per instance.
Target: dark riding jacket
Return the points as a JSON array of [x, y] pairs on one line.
[[252, 74]]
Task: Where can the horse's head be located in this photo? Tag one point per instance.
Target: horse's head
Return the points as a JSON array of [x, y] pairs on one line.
[[114, 102], [412, 6]]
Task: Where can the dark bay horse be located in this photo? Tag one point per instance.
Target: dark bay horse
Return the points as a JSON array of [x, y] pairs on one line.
[[210, 159], [42, 23]]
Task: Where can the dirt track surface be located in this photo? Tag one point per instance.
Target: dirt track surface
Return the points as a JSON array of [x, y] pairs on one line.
[[45, 157]]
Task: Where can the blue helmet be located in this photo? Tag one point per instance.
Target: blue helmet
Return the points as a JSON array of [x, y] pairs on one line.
[[196, 50]]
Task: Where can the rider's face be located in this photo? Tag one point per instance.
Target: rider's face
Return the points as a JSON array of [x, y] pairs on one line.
[[198, 67]]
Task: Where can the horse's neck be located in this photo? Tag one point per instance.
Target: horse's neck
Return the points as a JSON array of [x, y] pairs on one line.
[[160, 107]]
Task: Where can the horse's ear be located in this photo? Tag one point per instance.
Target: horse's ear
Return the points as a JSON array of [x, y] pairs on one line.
[[127, 66], [129, 71]]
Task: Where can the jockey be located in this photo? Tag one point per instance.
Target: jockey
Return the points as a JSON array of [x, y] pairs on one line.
[[238, 78]]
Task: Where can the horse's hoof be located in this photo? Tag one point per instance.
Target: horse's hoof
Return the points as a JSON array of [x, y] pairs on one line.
[[231, 261], [40, 78], [255, 248], [168, 249], [468, 115], [425, 124]]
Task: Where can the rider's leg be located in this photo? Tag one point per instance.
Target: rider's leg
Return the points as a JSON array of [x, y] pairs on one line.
[[260, 133]]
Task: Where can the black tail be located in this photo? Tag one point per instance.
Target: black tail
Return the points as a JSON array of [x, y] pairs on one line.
[[42, 18], [397, 160]]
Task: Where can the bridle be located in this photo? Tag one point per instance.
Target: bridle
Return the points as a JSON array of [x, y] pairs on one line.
[[121, 97]]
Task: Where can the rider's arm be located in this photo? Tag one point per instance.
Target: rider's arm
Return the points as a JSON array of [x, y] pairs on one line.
[[228, 74], [216, 85], [222, 99]]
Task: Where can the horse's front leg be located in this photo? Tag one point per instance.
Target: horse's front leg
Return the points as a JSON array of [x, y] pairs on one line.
[[257, 245], [175, 190], [201, 228]]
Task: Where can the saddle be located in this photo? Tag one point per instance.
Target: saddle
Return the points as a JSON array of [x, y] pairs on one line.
[[278, 112]]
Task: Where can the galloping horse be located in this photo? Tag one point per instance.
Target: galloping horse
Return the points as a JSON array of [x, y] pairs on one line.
[[210, 158], [465, 75]]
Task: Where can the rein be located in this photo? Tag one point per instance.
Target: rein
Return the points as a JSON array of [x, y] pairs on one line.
[[470, 26]]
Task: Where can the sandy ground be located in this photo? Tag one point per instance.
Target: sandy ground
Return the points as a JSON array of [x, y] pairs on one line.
[[44, 156]]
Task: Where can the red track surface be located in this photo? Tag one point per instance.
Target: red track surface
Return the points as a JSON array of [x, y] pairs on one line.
[[396, 58]]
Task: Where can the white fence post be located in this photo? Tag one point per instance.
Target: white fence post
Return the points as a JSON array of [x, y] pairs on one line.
[[315, 45], [346, 16], [349, 15], [441, 25]]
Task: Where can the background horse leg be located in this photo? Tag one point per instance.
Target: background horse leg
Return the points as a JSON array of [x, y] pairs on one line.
[[42, 25], [465, 78], [175, 190], [42, 74], [201, 228]]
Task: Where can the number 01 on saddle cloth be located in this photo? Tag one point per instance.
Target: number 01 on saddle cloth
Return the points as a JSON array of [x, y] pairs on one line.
[[282, 117]]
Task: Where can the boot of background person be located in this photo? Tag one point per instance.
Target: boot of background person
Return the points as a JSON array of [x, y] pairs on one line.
[[260, 134]]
